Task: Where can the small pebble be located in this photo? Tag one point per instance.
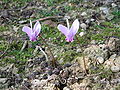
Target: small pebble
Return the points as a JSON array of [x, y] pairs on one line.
[[82, 34], [100, 60], [113, 5], [87, 21], [115, 69], [57, 83], [83, 14], [110, 17], [113, 57], [105, 10], [83, 26], [92, 19], [64, 73], [36, 82], [78, 50], [66, 88]]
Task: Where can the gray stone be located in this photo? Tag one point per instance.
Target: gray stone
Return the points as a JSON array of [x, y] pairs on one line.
[[115, 68], [100, 60], [109, 17], [117, 61], [112, 57], [66, 88], [82, 34], [83, 26], [105, 10], [3, 80], [113, 5], [92, 19], [83, 14], [87, 21], [113, 44], [36, 82], [94, 51]]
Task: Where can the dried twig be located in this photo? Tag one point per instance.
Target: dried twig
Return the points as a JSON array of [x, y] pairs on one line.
[[49, 17], [38, 47], [53, 58], [43, 52]]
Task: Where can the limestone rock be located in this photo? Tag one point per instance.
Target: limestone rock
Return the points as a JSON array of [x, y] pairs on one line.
[[112, 57], [75, 68], [80, 60], [100, 60], [105, 10], [66, 88], [82, 34], [117, 61], [109, 17], [114, 44], [83, 14], [115, 68], [83, 26], [113, 5], [108, 64], [94, 51]]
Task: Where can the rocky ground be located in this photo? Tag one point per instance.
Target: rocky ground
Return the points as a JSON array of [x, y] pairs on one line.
[[24, 67]]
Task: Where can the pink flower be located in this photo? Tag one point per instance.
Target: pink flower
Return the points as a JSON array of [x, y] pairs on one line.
[[32, 32], [69, 33]]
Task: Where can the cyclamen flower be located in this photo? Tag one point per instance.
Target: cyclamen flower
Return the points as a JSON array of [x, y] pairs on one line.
[[69, 33], [32, 32]]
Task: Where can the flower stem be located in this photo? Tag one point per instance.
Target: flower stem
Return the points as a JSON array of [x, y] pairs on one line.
[[53, 58], [38, 47], [68, 25], [82, 55]]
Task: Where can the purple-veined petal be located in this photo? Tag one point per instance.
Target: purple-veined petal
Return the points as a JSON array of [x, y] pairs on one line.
[[73, 30], [70, 37], [33, 37], [37, 28], [63, 29], [28, 30], [75, 26]]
